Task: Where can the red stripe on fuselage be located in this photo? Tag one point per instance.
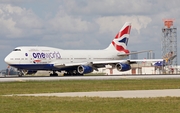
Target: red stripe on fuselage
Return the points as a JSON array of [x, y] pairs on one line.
[[37, 60]]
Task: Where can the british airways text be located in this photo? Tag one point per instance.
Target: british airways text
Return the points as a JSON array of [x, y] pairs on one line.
[[47, 55]]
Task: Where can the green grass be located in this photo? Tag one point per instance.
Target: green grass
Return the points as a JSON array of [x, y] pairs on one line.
[[88, 105], [86, 85], [17, 104]]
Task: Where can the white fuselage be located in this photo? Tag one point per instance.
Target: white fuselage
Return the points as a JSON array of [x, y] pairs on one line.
[[48, 55]]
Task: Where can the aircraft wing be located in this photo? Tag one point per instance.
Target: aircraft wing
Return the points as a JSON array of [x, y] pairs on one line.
[[126, 54], [60, 65], [87, 67], [94, 63], [146, 60], [99, 64]]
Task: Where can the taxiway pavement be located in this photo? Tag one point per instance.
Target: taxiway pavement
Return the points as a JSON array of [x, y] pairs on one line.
[[33, 78], [114, 94]]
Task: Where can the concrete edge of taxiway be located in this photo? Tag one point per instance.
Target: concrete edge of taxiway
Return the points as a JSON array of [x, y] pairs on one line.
[[31, 78], [113, 94]]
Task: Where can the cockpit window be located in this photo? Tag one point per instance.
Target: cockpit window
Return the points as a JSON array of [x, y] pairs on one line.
[[17, 50]]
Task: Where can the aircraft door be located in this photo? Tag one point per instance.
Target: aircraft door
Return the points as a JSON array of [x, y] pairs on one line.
[[89, 58], [71, 59]]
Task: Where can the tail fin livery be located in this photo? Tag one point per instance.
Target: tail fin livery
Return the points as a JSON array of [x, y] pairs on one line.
[[121, 39]]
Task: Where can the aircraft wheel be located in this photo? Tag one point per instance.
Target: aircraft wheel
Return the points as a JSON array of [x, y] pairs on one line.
[[20, 74], [53, 74]]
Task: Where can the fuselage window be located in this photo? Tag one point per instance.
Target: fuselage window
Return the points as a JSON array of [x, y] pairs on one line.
[[17, 50]]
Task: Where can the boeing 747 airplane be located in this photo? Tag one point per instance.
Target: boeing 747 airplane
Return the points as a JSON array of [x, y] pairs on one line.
[[73, 62]]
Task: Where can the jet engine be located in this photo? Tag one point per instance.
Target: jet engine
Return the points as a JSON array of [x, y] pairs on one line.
[[84, 69], [123, 67]]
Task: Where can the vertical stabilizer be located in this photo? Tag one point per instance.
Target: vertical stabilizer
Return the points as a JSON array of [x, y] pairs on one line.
[[120, 41]]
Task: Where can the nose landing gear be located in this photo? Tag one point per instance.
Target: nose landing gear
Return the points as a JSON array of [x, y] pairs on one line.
[[20, 73]]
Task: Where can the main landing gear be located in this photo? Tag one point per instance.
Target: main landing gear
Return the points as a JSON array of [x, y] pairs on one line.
[[72, 73], [54, 74], [68, 73]]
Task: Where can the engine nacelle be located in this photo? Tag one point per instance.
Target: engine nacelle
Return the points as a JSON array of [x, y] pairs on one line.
[[84, 69], [123, 67]]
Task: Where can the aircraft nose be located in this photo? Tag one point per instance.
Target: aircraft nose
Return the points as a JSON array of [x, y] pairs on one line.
[[7, 59]]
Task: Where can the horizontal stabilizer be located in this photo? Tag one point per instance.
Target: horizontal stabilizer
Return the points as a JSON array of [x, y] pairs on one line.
[[126, 54]]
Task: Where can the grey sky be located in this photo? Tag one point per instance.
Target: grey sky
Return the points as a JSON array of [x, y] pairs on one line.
[[83, 24]]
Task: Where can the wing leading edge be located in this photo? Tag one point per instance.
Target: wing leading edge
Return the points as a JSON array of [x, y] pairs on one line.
[[120, 65]]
